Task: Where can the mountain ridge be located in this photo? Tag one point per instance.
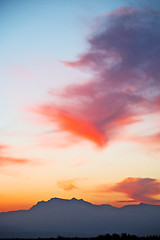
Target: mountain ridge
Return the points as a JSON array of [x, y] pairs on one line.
[[86, 202], [76, 217], [52, 200]]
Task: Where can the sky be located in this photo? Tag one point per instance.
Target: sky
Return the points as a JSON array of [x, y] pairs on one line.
[[79, 101]]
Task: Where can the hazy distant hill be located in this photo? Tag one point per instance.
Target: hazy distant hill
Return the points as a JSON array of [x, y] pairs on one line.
[[79, 218]]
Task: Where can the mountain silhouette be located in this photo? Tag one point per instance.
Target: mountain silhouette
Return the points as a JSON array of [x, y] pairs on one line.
[[79, 218]]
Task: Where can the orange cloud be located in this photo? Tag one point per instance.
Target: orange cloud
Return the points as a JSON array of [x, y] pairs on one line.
[[81, 128], [10, 160], [73, 125], [67, 185], [2, 147], [139, 189], [70, 184]]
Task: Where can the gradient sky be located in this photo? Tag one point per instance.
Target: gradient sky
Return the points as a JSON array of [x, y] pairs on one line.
[[79, 101]]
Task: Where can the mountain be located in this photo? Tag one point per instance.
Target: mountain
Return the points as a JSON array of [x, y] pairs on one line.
[[79, 218]]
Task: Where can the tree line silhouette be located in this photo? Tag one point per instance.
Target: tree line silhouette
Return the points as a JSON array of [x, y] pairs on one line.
[[114, 236]]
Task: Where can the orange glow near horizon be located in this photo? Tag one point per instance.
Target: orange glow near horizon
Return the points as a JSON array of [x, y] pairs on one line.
[[26, 204]]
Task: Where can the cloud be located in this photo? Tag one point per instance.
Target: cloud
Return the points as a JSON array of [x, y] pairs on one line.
[[73, 124], [2, 147], [78, 164], [129, 201], [123, 58], [71, 184], [10, 160], [67, 185], [139, 189], [154, 138], [152, 141], [5, 160]]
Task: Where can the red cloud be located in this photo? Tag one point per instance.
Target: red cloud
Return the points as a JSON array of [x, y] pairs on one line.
[[123, 57], [139, 189], [80, 128], [74, 125]]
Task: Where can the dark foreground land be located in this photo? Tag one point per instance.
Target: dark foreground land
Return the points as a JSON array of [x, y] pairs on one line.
[[101, 237], [70, 218]]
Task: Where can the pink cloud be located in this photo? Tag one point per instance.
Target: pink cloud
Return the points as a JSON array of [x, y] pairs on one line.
[[152, 141], [139, 189], [21, 71], [123, 57], [122, 10]]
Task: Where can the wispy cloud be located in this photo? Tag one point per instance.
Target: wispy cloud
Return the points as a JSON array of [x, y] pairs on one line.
[[20, 71], [10, 160], [5, 160], [139, 189], [78, 164], [123, 57], [152, 141]]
